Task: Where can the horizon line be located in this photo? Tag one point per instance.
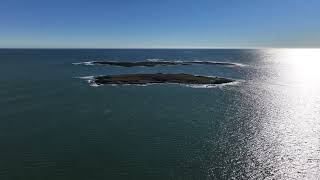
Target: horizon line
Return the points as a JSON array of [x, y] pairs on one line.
[[128, 48]]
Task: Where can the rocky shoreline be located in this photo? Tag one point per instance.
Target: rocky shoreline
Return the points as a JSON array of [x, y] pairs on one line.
[[139, 63], [155, 63], [141, 79]]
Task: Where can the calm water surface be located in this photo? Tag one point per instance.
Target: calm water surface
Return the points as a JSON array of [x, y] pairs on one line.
[[53, 125]]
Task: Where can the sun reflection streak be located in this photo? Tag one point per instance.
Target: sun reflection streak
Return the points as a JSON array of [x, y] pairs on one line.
[[288, 110], [300, 65]]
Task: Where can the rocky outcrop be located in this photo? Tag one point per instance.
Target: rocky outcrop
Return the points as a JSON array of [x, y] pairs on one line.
[[158, 78], [155, 63]]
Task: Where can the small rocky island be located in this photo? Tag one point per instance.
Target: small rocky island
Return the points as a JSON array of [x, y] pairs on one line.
[[156, 63], [141, 79], [139, 63]]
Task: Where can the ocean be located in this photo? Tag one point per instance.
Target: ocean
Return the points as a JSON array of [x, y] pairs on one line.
[[55, 126]]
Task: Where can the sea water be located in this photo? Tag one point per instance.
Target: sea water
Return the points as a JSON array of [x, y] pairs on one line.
[[54, 125]]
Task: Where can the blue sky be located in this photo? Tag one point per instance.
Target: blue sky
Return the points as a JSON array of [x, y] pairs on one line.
[[159, 23]]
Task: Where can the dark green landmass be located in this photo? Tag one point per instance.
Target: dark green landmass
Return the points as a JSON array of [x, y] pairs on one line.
[[139, 63], [159, 63], [159, 78]]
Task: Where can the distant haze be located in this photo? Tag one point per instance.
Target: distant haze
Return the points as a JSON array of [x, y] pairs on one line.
[[159, 23]]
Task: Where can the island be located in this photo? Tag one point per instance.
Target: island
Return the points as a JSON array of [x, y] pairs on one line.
[[141, 79], [155, 63], [139, 63]]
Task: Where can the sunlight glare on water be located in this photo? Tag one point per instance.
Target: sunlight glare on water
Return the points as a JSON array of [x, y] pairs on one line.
[[288, 141], [302, 65]]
